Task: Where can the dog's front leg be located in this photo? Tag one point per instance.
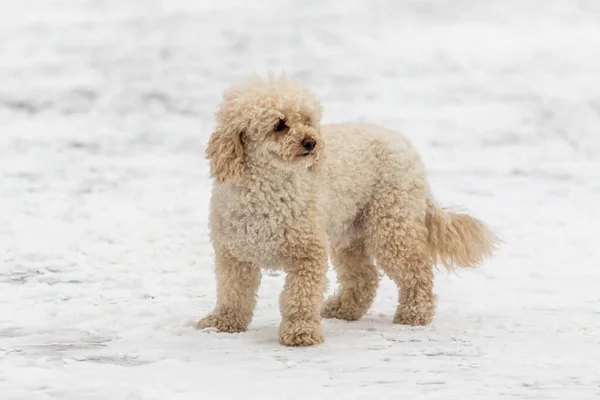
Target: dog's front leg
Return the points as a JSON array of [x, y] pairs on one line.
[[237, 284], [301, 299]]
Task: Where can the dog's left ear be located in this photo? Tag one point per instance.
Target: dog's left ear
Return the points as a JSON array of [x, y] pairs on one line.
[[226, 154]]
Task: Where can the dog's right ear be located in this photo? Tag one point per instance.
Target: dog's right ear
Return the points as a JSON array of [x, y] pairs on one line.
[[226, 154]]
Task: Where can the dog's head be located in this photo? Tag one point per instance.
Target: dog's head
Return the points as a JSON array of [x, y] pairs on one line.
[[272, 122]]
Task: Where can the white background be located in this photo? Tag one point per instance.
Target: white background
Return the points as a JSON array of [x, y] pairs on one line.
[[105, 111]]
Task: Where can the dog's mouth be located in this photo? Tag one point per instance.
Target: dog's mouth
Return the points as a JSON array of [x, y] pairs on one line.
[[294, 157]]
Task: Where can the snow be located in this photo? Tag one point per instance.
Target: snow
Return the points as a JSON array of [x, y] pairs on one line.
[[105, 111]]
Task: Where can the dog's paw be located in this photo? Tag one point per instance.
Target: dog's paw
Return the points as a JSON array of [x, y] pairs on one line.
[[300, 333], [221, 323], [414, 316], [335, 308]]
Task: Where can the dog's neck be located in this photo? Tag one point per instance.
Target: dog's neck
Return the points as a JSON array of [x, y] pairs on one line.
[[270, 172], [269, 189], [267, 173]]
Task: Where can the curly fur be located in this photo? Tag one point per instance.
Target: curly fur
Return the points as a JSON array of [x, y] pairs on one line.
[[360, 195]]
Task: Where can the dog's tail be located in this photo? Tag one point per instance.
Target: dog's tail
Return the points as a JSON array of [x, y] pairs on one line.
[[457, 240]]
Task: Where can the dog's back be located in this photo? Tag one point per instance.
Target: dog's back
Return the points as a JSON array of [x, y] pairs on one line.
[[362, 161]]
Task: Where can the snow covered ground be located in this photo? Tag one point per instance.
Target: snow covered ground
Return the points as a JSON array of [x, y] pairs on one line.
[[105, 110]]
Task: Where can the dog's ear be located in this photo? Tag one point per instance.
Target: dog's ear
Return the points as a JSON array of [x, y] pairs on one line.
[[226, 154]]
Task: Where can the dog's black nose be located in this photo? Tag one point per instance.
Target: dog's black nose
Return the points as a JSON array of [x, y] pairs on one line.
[[309, 144]]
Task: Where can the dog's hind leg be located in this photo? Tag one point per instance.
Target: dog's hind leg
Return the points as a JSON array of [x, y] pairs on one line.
[[358, 279], [397, 236], [237, 285]]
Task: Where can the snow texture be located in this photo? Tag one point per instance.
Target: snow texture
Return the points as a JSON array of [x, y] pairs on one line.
[[105, 110]]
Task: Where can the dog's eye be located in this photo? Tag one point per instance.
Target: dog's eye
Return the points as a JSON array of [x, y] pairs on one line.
[[280, 125]]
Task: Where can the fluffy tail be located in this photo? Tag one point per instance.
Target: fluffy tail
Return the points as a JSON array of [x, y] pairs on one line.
[[458, 240]]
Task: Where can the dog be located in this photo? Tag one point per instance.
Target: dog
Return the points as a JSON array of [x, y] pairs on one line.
[[289, 194]]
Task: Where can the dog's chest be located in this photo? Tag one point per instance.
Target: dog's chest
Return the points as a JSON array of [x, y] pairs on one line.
[[254, 225]]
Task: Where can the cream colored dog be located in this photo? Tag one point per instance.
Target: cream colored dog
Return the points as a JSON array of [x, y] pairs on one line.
[[289, 191]]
